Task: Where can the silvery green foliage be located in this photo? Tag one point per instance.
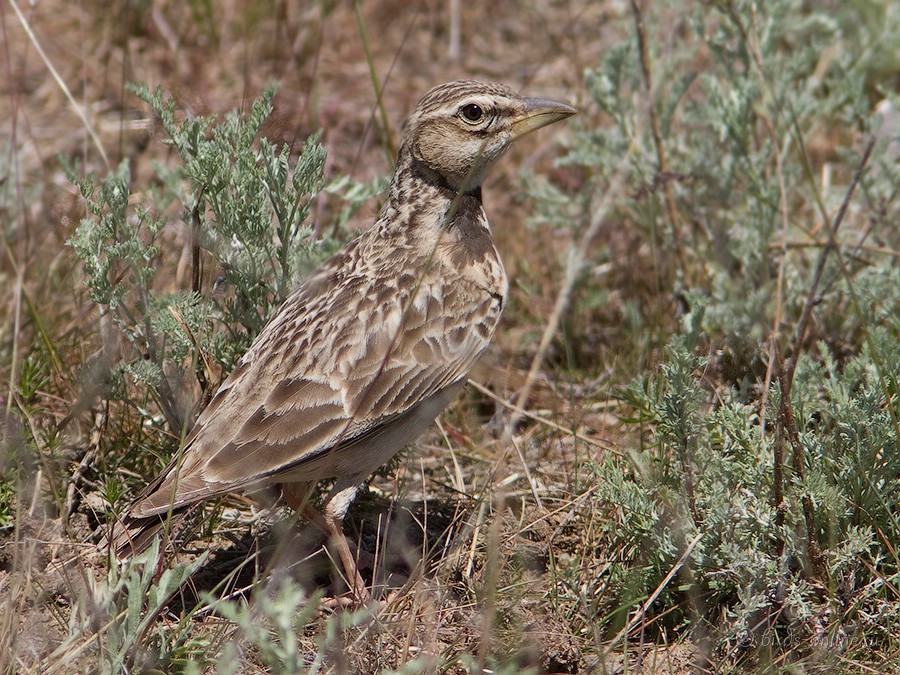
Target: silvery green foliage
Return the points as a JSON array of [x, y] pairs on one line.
[[253, 204], [741, 90], [121, 612], [245, 204], [272, 624], [275, 623], [849, 436]]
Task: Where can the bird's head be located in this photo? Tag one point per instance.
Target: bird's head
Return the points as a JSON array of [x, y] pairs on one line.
[[460, 129]]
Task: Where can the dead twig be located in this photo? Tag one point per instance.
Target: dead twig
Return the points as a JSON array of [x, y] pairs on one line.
[[661, 161], [638, 617], [830, 245], [86, 462], [787, 427]]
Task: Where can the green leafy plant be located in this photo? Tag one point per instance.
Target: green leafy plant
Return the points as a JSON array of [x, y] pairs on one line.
[[122, 611], [272, 625], [241, 203], [755, 509]]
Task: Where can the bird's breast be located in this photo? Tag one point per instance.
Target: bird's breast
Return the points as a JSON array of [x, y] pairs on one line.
[[468, 251]]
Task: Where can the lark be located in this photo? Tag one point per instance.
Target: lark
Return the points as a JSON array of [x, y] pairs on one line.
[[368, 350]]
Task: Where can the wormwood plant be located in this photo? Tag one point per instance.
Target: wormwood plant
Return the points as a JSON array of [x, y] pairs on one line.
[[765, 470], [122, 611], [239, 204], [274, 625]]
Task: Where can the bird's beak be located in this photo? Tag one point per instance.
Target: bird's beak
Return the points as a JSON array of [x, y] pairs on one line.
[[539, 112]]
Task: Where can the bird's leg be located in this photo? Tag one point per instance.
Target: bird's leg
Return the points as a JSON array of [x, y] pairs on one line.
[[336, 532], [297, 497], [330, 524]]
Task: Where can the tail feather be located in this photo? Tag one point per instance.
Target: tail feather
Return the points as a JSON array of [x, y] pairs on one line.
[[130, 535]]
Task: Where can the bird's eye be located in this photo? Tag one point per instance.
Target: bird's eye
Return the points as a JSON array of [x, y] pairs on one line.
[[471, 112]]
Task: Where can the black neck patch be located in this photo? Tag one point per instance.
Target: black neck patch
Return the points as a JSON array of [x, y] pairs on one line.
[[465, 218], [428, 175]]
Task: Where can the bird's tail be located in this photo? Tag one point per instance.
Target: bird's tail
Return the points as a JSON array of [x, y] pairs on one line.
[[130, 535]]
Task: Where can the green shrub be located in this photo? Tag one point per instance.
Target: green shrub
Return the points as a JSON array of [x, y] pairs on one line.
[[735, 204], [241, 207]]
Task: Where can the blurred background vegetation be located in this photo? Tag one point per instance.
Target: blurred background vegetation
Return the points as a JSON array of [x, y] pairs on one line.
[[680, 455]]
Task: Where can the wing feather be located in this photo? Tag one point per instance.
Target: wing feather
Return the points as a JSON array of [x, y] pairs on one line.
[[324, 379]]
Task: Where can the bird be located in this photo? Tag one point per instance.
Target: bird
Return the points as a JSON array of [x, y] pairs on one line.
[[368, 350]]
